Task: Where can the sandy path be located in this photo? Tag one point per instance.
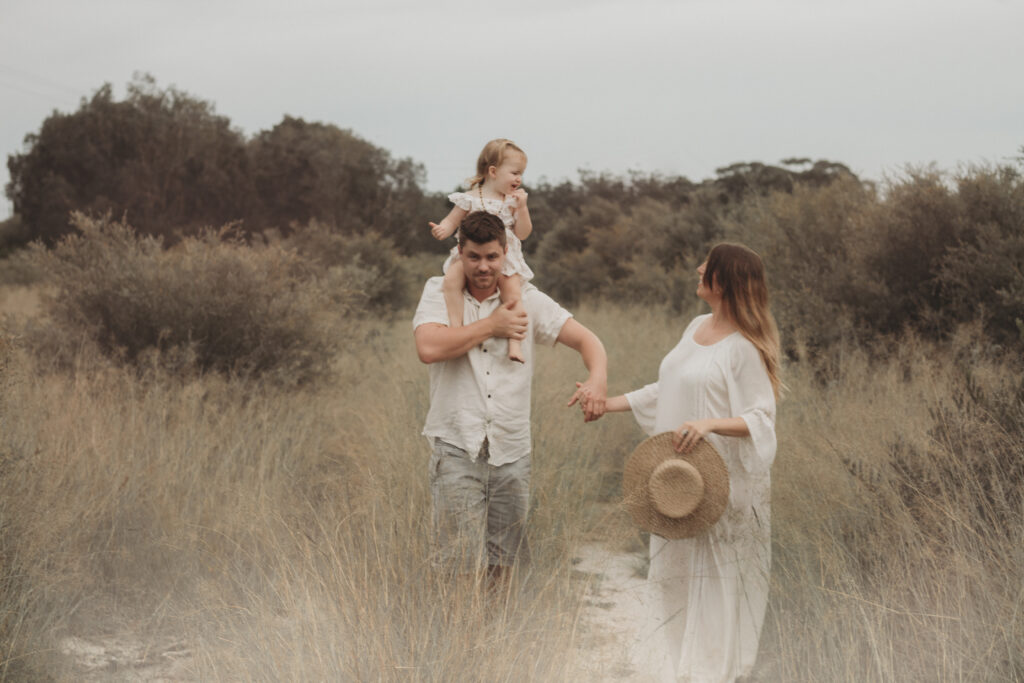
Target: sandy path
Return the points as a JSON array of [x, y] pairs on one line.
[[614, 612], [612, 616], [127, 658]]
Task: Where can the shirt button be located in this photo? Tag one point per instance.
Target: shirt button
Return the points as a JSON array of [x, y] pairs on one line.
[[488, 395], [485, 350]]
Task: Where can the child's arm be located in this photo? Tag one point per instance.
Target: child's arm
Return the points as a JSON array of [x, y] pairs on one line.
[[447, 227], [523, 226]]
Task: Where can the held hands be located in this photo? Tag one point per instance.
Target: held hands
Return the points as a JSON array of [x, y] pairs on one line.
[[508, 323], [440, 230], [591, 395], [689, 433]]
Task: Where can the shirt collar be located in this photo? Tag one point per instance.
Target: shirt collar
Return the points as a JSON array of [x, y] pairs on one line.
[[470, 297]]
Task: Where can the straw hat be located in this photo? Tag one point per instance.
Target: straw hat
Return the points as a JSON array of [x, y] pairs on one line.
[[675, 495]]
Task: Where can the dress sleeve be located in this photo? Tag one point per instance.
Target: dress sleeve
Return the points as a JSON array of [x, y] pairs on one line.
[[644, 404], [462, 200], [751, 397]]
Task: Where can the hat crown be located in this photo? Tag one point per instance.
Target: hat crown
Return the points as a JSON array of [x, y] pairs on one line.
[[675, 488]]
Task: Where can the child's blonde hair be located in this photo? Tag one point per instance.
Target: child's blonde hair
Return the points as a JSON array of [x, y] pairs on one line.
[[493, 153]]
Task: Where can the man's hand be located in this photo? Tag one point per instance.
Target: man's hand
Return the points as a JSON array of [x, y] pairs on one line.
[[507, 323], [591, 395]]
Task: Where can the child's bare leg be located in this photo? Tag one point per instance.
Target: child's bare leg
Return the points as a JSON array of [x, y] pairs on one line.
[[511, 288], [454, 283]]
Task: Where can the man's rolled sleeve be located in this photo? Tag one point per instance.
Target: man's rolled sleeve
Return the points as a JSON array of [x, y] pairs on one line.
[[546, 316], [431, 308]]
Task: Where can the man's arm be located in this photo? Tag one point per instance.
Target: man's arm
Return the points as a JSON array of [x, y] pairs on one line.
[[594, 391], [436, 342]]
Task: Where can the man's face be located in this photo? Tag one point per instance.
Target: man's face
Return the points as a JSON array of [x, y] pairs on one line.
[[482, 263]]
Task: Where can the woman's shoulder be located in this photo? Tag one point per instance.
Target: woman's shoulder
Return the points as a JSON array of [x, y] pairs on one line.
[[742, 351], [694, 324]]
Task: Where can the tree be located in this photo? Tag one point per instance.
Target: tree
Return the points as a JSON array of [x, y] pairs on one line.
[[308, 171], [162, 157]]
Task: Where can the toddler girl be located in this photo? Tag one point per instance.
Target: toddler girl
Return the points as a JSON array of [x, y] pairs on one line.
[[495, 189]]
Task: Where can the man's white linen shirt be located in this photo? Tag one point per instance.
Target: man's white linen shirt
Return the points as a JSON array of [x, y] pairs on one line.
[[482, 393]]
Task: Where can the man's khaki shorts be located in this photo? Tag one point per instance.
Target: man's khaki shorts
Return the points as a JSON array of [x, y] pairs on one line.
[[479, 509]]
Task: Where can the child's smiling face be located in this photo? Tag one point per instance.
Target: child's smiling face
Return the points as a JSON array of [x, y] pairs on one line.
[[507, 177]]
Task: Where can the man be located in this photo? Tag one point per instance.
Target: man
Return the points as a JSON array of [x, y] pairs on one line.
[[479, 418]]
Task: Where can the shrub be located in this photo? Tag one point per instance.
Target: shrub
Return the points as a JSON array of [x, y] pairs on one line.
[[211, 302], [983, 274], [815, 243], [367, 262], [20, 268]]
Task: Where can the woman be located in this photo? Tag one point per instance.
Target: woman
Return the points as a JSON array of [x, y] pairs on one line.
[[719, 383]]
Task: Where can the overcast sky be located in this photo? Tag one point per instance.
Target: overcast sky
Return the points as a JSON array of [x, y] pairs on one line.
[[677, 87]]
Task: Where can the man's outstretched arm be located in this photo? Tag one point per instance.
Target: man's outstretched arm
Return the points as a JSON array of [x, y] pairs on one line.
[[594, 391], [436, 342]]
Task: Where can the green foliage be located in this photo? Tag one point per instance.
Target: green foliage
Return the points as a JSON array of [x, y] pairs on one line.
[[164, 159], [13, 235], [211, 303], [314, 171], [364, 269], [170, 165], [816, 244], [983, 273], [847, 262]]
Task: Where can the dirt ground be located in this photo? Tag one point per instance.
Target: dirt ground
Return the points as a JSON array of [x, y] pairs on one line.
[[611, 618]]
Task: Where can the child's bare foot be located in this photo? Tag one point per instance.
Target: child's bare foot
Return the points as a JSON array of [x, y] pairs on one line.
[[515, 352]]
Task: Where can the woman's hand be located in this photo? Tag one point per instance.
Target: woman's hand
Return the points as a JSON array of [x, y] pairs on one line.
[[689, 433]]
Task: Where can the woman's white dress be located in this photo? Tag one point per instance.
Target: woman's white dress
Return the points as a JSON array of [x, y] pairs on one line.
[[515, 263], [709, 593]]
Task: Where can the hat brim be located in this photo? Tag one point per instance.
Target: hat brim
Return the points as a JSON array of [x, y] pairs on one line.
[[650, 453]]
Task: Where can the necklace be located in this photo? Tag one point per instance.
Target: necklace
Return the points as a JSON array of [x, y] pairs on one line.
[[480, 189]]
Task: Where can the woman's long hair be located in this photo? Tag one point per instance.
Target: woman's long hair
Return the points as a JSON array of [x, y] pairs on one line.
[[738, 274]]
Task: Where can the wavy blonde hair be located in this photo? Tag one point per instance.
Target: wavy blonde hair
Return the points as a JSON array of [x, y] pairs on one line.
[[493, 153], [738, 273]]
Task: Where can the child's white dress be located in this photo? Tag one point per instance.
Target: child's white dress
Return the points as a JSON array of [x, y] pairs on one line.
[[502, 208]]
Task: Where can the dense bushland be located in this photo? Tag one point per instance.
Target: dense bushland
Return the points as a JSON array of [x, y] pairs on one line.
[[168, 163], [848, 261], [210, 303]]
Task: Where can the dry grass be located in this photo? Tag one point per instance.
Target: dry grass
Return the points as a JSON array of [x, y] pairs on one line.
[[283, 535]]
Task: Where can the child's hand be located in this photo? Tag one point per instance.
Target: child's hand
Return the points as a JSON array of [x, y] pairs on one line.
[[439, 231], [520, 195]]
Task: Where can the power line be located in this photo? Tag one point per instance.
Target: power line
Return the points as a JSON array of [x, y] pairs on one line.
[[38, 79], [27, 91]]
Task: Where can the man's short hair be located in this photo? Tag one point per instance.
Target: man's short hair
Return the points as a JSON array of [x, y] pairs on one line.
[[481, 227]]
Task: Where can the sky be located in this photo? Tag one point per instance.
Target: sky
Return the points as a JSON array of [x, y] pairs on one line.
[[677, 87]]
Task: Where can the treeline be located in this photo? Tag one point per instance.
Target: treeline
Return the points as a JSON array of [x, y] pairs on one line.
[[170, 165], [849, 261]]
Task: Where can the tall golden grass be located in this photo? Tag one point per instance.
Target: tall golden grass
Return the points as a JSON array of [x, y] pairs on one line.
[[283, 534]]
